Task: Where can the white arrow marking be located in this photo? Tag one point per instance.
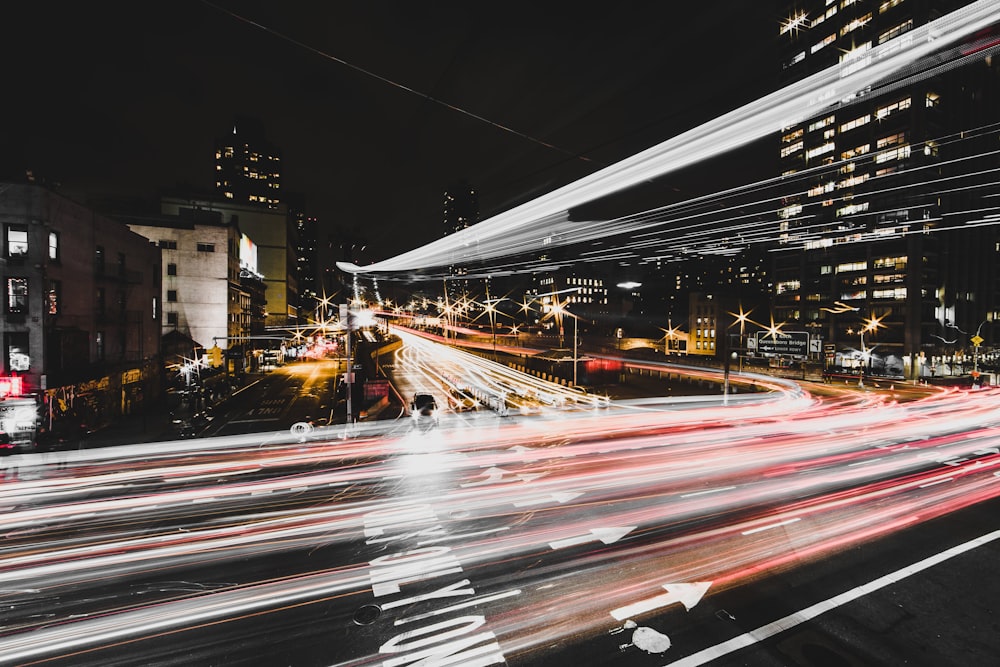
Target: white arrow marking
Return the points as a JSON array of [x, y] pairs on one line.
[[557, 497], [496, 475], [606, 535], [687, 594], [988, 450]]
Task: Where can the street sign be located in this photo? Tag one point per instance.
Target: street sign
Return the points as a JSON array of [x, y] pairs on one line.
[[792, 343], [977, 340]]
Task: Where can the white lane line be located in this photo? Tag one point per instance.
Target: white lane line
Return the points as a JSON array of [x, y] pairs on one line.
[[770, 526], [940, 481], [809, 613], [702, 493], [862, 463]]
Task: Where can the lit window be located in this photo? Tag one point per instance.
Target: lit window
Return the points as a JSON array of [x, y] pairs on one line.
[[884, 111], [52, 298], [857, 122], [790, 211], [18, 353], [792, 136], [821, 123], [852, 181], [896, 31], [887, 5], [894, 293], [900, 153], [891, 140], [799, 57], [829, 39], [17, 240], [17, 295], [852, 209], [855, 24], [820, 150], [788, 150], [54, 246]]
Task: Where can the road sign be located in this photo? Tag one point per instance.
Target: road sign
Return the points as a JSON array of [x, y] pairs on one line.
[[977, 340], [793, 343]]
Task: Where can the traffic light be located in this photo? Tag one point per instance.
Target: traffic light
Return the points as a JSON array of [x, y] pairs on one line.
[[215, 356]]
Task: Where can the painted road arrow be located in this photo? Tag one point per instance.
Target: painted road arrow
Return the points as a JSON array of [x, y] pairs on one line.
[[496, 475], [687, 594], [606, 535]]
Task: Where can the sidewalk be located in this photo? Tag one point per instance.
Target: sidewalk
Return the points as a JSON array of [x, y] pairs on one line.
[[152, 425]]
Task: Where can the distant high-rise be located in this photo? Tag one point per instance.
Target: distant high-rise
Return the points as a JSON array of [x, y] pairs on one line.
[[306, 253], [247, 166], [461, 210], [881, 250], [461, 207]]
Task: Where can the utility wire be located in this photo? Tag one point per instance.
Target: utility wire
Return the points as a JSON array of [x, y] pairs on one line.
[[429, 98]]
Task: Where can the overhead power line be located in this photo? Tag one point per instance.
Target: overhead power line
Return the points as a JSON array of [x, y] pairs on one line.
[[395, 84]]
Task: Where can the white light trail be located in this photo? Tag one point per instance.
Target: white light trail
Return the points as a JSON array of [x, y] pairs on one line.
[[545, 218]]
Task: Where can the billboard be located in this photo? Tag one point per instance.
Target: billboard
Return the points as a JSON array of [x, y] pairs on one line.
[[248, 254], [791, 344]]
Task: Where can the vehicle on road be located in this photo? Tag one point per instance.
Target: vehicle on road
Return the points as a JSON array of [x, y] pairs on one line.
[[423, 407]]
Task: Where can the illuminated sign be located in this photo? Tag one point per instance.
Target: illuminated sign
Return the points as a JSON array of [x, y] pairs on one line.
[[248, 254], [793, 343], [11, 386]]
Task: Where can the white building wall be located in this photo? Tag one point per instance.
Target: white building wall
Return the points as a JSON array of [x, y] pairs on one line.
[[201, 284]]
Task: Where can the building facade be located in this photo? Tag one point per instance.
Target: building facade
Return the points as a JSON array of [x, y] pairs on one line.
[[82, 310], [274, 239], [460, 211], [306, 258], [247, 166], [202, 296], [882, 248]]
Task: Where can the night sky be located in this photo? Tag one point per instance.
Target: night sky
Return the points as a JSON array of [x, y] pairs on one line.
[[116, 97]]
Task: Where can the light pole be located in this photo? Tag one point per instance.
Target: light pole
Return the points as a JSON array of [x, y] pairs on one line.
[[871, 324], [742, 318], [493, 327], [559, 309], [574, 348]]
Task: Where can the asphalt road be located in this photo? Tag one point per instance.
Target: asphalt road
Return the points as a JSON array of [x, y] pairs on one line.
[[790, 528]]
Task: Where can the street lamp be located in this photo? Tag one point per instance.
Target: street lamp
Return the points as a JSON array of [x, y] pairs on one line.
[[871, 324], [490, 310], [742, 318], [559, 309]]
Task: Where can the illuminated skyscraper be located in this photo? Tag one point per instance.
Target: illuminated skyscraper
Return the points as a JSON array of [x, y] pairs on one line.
[[461, 210], [306, 254], [247, 166], [881, 217]]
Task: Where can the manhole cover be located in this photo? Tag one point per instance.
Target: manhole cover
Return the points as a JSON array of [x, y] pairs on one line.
[[367, 614]]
